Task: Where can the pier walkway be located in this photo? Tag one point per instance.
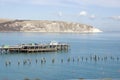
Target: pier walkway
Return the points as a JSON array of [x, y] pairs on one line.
[[34, 47]]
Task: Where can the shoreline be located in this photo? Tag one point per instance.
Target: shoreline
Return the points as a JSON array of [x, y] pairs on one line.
[[51, 32]]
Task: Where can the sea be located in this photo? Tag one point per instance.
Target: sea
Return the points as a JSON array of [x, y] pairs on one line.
[[91, 56]]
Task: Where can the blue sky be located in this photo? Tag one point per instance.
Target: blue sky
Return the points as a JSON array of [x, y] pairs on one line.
[[103, 14]]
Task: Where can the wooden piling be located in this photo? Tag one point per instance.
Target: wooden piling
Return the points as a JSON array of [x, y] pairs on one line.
[[61, 60], [18, 62], [53, 60], [68, 59]]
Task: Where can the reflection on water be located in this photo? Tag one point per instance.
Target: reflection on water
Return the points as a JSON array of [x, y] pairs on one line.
[[91, 57]]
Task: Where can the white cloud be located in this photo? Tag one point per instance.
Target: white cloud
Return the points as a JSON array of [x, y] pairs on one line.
[[83, 13], [114, 17], [86, 14], [92, 16], [60, 13]]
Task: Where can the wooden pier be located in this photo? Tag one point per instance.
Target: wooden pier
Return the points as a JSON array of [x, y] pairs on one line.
[[34, 47]]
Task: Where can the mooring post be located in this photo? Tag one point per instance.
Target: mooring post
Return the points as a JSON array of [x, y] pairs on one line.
[[18, 62], [78, 59], [62, 60], [53, 60], [36, 60], [68, 59]]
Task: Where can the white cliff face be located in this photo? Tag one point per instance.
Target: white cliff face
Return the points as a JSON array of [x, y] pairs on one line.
[[47, 26], [96, 30]]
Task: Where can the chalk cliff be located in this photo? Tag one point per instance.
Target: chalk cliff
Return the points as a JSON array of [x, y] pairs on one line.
[[45, 26]]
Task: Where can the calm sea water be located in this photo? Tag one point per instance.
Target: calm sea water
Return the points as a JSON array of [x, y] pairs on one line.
[[83, 47]]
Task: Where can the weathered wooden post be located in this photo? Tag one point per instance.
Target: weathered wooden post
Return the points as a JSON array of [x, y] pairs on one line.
[[62, 60], [53, 60]]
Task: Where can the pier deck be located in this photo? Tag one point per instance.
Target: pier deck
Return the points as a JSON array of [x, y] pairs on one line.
[[51, 47]]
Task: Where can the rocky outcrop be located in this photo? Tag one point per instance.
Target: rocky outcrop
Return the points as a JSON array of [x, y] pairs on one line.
[[45, 26]]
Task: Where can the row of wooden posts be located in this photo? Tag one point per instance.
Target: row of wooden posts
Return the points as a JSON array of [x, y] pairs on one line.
[[69, 59]]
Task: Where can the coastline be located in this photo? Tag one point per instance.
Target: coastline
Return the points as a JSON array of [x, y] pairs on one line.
[[94, 31], [47, 27]]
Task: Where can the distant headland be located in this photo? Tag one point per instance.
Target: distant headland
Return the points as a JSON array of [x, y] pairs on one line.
[[8, 25]]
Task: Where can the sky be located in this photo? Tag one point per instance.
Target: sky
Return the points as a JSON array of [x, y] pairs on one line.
[[102, 14]]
